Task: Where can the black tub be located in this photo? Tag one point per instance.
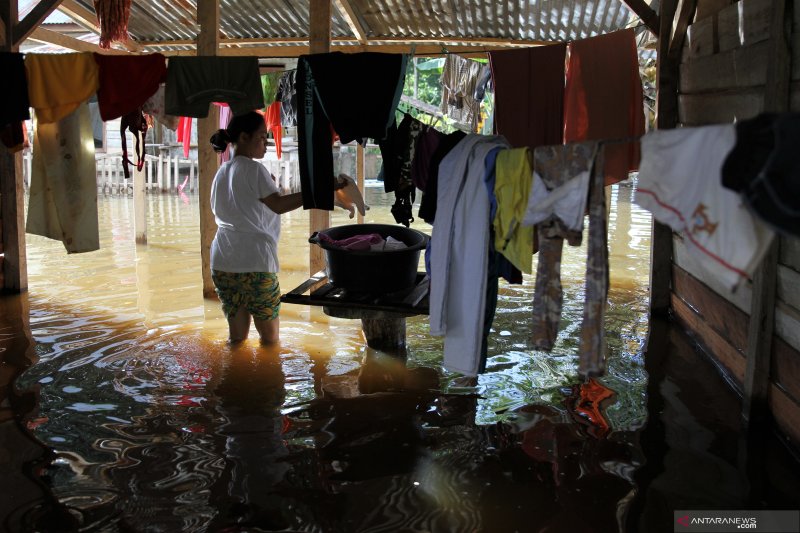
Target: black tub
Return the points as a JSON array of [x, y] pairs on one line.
[[373, 272]]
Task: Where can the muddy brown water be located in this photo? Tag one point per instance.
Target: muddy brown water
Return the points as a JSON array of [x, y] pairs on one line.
[[130, 412]]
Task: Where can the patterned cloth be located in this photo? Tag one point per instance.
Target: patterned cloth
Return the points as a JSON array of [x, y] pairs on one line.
[[460, 78], [258, 292], [558, 165]]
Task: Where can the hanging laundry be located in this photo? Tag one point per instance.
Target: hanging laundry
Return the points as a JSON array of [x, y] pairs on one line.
[[680, 183], [155, 107], [269, 86], [77, 76], [184, 134], [126, 82], [556, 166], [398, 149], [112, 15], [356, 112], [428, 204], [14, 136], [592, 351], [349, 197], [193, 83], [512, 189], [603, 98], [272, 119], [763, 168], [225, 116], [287, 96], [427, 144], [502, 266], [459, 79], [14, 96], [458, 254], [62, 203], [529, 94], [136, 123]]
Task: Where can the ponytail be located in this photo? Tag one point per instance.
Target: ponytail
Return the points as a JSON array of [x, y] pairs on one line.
[[220, 141]]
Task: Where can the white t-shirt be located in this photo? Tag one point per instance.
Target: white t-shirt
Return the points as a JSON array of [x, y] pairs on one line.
[[247, 230]]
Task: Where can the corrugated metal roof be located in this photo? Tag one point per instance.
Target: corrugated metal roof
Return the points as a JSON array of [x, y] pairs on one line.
[[451, 21]]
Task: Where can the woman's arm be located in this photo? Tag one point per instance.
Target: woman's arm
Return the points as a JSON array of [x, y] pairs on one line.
[[283, 203]]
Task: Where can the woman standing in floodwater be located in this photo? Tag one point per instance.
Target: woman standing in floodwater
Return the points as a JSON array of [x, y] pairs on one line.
[[247, 205]]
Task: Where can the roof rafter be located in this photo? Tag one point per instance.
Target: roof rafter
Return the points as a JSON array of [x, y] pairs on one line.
[[36, 16], [44, 35], [349, 15], [644, 12]]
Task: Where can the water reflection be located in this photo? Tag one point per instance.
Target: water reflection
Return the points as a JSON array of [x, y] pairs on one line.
[[155, 420]]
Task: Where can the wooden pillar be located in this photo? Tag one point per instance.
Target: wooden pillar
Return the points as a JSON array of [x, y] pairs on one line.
[[385, 333], [139, 218], [360, 177], [319, 40], [207, 160], [666, 117], [12, 189], [762, 307]]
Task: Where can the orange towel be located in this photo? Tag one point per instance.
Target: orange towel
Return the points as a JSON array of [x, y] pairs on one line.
[[604, 100], [59, 83], [272, 119]]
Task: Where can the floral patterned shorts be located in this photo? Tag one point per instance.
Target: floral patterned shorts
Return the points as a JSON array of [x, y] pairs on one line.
[[258, 292]]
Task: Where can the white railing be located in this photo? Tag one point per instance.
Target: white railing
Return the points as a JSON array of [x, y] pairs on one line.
[[164, 173]]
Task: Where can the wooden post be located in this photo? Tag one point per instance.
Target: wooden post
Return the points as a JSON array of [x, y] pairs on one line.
[[139, 218], [12, 189], [207, 161], [762, 307], [384, 333], [319, 40], [666, 117], [360, 176]]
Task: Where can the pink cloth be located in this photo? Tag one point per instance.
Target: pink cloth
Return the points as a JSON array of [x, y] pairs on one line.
[[225, 116], [358, 243]]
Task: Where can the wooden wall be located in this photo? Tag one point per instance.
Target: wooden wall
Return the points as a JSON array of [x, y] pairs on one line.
[[722, 79]]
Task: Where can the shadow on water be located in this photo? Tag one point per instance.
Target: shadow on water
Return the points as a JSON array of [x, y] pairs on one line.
[[122, 408]]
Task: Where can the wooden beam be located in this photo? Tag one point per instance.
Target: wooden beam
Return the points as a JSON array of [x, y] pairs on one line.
[[647, 14], [207, 160], [297, 51], [36, 16], [349, 15], [666, 118], [319, 41], [686, 11], [43, 35], [12, 192], [8, 13], [87, 19], [435, 44]]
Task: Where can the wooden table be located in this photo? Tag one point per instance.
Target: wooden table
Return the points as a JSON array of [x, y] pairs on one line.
[[383, 316]]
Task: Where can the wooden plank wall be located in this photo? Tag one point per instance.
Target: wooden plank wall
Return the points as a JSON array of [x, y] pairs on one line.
[[722, 79]]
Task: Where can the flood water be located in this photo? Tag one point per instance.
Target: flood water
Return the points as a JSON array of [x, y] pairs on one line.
[[130, 412]]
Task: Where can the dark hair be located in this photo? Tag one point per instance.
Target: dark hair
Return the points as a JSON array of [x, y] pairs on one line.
[[246, 123]]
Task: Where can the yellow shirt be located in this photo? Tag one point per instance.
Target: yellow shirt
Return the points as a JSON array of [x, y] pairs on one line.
[[514, 171], [59, 83]]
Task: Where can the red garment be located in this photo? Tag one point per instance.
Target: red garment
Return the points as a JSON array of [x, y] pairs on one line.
[[272, 119], [126, 82], [603, 98], [529, 94], [185, 134]]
